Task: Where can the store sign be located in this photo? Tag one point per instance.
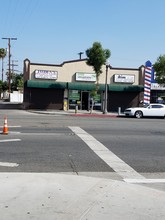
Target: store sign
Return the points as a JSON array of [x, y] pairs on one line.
[[156, 86], [121, 78], [46, 74], [74, 94], [89, 77]]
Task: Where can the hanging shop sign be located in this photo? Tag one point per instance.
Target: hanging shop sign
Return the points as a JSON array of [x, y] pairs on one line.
[[121, 78], [45, 74], [156, 86], [88, 77]]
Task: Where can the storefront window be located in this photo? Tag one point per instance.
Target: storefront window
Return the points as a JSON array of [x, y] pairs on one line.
[[82, 99], [97, 102], [157, 96], [74, 99]]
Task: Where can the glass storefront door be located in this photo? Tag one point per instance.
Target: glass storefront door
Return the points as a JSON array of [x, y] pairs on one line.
[[83, 100]]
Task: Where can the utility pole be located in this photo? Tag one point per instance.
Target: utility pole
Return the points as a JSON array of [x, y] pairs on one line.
[[2, 67], [13, 65], [106, 88], [9, 39]]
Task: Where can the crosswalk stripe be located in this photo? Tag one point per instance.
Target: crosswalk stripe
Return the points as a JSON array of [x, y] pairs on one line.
[[10, 140], [144, 180], [6, 164], [118, 165]]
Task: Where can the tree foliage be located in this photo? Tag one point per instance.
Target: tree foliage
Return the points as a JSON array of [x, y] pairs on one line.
[[16, 84], [17, 81], [2, 53], [159, 68], [97, 57], [3, 86]]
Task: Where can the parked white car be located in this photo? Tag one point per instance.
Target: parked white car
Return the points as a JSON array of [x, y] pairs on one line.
[[150, 110]]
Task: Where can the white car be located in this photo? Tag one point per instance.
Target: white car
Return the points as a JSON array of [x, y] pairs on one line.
[[150, 110]]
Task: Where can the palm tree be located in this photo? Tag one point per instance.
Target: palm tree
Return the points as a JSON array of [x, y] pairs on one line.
[[2, 56]]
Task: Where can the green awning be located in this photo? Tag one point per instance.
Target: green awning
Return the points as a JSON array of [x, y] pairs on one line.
[[46, 85], [125, 88], [111, 87], [85, 86]]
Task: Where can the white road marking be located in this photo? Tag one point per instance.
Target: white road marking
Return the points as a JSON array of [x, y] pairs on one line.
[[14, 132], [118, 165], [35, 134], [12, 126], [144, 180], [6, 164], [10, 140]]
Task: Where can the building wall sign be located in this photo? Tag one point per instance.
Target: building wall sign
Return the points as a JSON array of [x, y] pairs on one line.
[[89, 77], [156, 86], [45, 74], [121, 78]]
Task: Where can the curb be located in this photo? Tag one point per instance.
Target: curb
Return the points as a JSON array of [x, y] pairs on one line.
[[94, 115], [98, 115]]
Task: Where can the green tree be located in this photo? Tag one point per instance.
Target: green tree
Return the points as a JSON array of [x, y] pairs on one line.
[[5, 86], [97, 57], [159, 68], [2, 53], [17, 82]]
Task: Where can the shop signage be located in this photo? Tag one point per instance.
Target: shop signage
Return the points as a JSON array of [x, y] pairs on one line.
[[74, 94], [156, 86], [46, 74], [121, 78], [89, 77]]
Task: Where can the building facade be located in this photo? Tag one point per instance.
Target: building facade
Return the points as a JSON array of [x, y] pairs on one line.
[[157, 90], [70, 84]]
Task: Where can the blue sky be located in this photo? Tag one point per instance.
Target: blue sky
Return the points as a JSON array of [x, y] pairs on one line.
[[54, 31]]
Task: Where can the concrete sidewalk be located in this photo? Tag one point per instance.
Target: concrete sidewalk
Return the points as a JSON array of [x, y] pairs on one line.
[[49, 196], [79, 113]]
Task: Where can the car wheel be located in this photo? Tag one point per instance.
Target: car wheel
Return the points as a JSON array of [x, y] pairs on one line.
[[138, 114]]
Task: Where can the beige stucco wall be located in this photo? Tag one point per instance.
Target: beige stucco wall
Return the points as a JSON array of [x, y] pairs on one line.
[[66, 72]]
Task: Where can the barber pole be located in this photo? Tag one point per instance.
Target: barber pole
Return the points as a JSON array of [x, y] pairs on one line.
[[147, 82]]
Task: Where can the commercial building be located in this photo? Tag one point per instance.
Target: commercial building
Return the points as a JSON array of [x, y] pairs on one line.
[[64, 86], [157, 90]]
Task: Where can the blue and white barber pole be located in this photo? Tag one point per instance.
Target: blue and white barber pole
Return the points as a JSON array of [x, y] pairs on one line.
[[147, 82]]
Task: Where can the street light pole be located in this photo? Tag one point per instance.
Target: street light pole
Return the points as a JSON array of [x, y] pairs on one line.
[[106, 90], [80, 53], [9, 39]]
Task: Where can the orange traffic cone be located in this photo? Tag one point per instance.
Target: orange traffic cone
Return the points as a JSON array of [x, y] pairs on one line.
[[5, 128]]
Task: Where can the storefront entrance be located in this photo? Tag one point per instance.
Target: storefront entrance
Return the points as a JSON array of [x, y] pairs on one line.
[[82, 99], [85, 100]]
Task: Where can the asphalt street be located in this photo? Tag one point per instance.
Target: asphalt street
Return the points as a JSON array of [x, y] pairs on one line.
[[48, 149], [46, 141]]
